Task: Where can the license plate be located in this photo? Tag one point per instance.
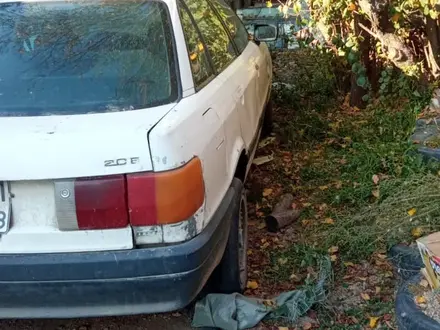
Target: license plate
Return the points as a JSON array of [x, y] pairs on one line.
[[5, 207]]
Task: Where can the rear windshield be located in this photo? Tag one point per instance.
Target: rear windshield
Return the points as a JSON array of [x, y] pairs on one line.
[[85, 57]]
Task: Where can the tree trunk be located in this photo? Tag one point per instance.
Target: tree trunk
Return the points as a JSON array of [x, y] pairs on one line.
[[433, 46]]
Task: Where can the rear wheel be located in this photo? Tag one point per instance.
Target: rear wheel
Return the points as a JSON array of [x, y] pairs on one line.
[[231, 275]]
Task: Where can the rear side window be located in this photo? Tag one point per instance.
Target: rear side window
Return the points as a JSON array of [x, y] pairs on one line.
[[216, 38], [233, 23], [200, 66], [85, 57]]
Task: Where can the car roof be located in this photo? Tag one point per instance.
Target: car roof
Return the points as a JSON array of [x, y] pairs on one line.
[[168, 2]]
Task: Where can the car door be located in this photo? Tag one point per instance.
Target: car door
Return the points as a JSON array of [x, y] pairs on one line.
[[210, 56], [244, 73]]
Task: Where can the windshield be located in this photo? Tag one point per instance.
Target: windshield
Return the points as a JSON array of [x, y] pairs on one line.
[[85, 57]]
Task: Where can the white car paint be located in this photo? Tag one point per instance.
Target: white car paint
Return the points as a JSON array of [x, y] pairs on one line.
[[216, 124]]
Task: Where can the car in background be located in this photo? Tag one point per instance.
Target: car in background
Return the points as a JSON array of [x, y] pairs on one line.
[[127, 129]]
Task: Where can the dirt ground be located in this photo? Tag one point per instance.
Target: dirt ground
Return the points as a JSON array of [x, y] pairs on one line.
[[175, 321]]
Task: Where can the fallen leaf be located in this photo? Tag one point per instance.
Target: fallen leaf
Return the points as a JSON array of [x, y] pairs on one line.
[[376, 179], [265, 245], [348, 264], [307, 204], [376, 193], [351, 7], [424, 283], [333, 249], [417, 232], [266, 142], [252, 285], [329, 221], [421, 300], [306, 222], [323, 188], [388, 274], [249, 252], [396, 17], [267, 192], [307, 325], [295, 278], [261, 225], [283, 328], [282, 261], [333, 257], [382, 256], [365, 296], [378, 289], [373, 322], [262, 160], [412, 212]]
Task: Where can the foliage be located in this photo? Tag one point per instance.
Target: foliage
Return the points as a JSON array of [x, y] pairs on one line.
[[370, 36]]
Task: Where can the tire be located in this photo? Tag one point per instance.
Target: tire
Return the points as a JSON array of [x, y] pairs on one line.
[[268, 120], [231, 274]]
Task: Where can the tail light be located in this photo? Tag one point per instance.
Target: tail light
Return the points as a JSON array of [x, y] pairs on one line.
[[139, 199], [91, 203], [167, 197]]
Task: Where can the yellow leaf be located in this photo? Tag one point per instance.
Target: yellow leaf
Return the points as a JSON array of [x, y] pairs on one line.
[[252, 285], [416, 232], [323, 188], [421, 300], [306, 222], [348, 264], [351, 7], [329, 221], [396, 17], [267, 192], [307, 204], [333, 249], [373, 322], [193, 56], [365, 296], [269, 4], [378, 289], [283, 328], [333, 257], [412, 212], [249, 252]]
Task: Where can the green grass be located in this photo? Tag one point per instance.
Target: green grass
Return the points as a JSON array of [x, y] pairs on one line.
[[296, 260], [375, 141]]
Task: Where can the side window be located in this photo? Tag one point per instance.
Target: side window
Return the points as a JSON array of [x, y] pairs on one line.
[[214, 34], [233, 23], [200, 67]]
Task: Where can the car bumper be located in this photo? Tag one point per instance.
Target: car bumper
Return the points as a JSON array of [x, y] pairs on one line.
[[138, 281]]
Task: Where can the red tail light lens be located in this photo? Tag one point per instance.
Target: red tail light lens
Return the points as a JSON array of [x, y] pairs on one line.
[[167, 197], [101, 202]]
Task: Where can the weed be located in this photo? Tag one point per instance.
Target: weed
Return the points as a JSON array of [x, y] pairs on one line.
[[292, 263]]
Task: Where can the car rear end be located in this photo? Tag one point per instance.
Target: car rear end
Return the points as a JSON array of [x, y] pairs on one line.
[[83, 215]]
